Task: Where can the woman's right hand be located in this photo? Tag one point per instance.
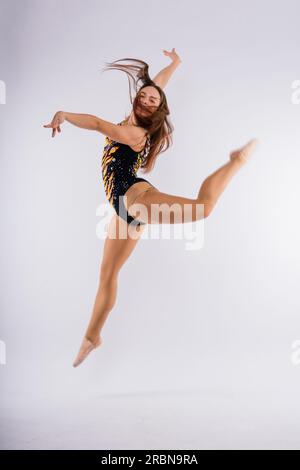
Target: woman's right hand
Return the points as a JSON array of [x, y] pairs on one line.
[[57, 120]]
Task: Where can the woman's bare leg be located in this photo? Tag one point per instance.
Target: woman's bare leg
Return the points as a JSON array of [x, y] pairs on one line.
[[208, 195], [214, 185], [116, 251]]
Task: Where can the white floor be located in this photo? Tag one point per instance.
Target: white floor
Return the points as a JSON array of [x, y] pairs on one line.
[[182, 419]]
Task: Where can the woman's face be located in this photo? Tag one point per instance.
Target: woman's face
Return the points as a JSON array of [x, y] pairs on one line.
[[148, 100]]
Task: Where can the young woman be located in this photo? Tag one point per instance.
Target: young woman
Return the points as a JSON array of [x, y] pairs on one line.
[[132, 144]]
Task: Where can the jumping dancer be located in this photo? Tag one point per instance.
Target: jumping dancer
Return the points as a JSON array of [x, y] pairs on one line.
[[132, 144]]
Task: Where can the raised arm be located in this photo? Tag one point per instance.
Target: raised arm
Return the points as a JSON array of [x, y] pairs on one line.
[[162, 78]]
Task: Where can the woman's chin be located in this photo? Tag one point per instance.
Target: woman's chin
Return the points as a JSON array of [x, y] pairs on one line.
[[144, 112]]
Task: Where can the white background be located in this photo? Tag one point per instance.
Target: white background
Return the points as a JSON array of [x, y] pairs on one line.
[[197, 353]]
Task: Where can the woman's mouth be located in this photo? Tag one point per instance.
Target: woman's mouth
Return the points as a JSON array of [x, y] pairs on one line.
[[143, 109]]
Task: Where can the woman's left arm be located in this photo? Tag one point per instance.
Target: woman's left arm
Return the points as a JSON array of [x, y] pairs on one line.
[[162, 78]]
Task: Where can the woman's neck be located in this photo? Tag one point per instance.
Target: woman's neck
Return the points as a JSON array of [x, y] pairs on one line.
[[131, 119]]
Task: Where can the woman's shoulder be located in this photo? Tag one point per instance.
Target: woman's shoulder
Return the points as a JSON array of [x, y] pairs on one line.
[[124, 122], [142, 137], [140, 132]]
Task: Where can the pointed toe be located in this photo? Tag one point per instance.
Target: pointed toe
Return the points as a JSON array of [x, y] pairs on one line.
[[86, 347]]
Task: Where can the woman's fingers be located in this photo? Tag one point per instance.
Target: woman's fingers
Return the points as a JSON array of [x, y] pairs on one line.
[[172, 54], [55, 125], [50, 125]]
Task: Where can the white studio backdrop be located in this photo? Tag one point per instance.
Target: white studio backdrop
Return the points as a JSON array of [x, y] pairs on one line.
[[199, 351]]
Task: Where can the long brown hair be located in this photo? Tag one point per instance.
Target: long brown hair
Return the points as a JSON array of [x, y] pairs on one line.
[[158, 125]]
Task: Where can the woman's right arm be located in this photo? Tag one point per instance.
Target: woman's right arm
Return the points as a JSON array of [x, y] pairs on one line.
[[85, 121], [128, 135]]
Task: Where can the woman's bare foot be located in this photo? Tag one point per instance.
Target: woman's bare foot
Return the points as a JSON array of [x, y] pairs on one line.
[[242, 154], [86, 347]]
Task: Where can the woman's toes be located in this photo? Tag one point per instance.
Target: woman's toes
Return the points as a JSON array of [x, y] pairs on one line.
[[86, 347], [242, 154]]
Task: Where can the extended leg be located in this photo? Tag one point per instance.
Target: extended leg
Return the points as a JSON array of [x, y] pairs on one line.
[[214, 185], [153, 206]]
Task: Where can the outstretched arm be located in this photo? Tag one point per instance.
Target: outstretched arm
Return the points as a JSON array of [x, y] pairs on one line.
[[129, 135], [85, 121], [162, 78]]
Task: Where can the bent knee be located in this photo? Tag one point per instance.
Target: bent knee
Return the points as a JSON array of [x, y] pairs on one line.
[[208, 208], [108, 272], [204, 211]]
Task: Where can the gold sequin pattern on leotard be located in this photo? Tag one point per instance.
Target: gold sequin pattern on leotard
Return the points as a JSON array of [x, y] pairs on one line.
[[114, 167]]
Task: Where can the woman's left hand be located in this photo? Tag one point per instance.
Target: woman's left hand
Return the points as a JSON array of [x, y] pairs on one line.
[[173, 55]]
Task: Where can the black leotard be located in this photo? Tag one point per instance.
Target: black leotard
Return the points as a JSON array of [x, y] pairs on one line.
[[120, 164]]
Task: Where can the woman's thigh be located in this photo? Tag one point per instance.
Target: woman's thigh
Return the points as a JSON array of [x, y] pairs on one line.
[[134, 191], [154, 207]]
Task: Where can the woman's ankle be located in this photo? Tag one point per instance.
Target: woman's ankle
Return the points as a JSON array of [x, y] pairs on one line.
[[92, 337]]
